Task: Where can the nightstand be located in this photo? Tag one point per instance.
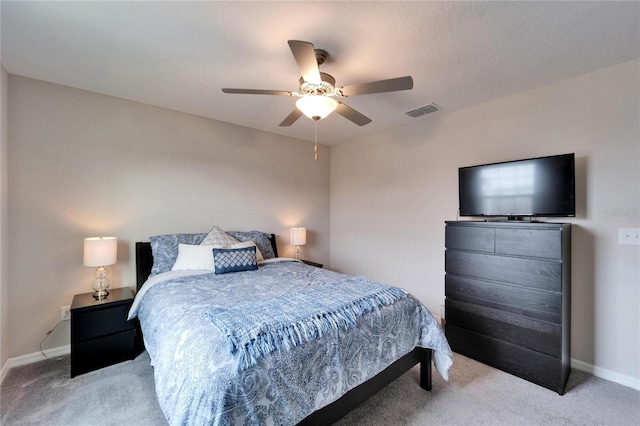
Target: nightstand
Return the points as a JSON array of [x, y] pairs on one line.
[[100, 332], [308, 262]]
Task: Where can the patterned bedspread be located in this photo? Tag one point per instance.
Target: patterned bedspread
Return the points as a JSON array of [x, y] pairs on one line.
[[197, 380]]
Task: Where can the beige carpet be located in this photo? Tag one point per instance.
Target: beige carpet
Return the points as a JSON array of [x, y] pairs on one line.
[[481, 395], [43, 394]]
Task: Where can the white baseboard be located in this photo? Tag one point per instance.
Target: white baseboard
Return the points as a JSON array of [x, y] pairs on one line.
[[31, 358], [603, 373]]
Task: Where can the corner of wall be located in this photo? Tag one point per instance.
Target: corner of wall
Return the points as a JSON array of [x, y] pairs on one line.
[[4, 303]]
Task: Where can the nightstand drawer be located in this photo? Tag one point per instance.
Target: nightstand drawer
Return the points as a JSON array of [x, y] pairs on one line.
[[94, 323], [101, 352]]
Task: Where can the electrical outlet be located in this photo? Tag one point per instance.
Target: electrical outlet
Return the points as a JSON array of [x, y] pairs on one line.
[[65, 313], [629, 236]]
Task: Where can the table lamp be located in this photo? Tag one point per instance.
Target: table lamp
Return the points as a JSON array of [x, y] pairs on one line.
[[298, 238], [100, 252]]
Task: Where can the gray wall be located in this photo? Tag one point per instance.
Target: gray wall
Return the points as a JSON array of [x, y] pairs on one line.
[[391, 193], [83, 164]]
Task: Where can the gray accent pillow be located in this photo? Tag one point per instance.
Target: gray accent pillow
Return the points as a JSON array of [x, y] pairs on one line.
[[217, 237], [164, 249], [260, 238]]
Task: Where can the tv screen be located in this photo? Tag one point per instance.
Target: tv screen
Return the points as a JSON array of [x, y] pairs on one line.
[[542, 186]]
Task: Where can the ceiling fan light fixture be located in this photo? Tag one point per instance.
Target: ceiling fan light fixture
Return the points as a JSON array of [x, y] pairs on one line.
[[316, 107]]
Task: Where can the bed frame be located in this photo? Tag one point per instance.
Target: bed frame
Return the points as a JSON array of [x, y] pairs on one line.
[[338, 409]]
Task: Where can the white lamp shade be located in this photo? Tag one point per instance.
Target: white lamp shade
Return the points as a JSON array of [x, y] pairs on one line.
[[100, 251], [316, 106], [298, 236]]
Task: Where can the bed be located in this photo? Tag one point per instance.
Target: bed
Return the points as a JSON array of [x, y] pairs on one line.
[[200, 380]]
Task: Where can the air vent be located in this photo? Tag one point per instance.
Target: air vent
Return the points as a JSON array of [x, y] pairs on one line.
[[427, 109]]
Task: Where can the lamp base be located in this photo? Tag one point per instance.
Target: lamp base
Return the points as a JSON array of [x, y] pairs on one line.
[[101, 294], [101, 283]]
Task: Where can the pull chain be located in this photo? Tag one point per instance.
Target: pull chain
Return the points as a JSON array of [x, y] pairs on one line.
[[315, 148]]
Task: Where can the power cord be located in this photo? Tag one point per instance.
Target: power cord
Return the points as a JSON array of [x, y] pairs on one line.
[[46, 337]]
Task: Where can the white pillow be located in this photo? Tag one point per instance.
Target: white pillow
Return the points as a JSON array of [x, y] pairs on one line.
[[246, 244], [192, 258]]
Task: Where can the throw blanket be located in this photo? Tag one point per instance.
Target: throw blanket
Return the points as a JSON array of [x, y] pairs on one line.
[[256, 329]]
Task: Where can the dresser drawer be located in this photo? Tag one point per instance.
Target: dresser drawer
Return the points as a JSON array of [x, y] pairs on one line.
[[534, 273], [471, 238], [529, 242], [526, 332], [538, 368], [543, 305], [90, 323]]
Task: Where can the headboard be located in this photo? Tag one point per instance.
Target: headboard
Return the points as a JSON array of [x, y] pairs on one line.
[[144, 259]]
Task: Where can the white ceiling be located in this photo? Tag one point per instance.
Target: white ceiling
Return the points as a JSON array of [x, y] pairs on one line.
[[179, 55]]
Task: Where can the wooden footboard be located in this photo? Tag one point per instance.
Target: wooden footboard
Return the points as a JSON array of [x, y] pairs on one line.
[[356, 396]]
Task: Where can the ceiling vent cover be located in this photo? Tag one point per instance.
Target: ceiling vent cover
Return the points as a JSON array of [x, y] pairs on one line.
[[427, 109]]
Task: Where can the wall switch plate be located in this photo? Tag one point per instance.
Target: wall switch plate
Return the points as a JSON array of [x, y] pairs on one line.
[[65, 313], [629, 236]]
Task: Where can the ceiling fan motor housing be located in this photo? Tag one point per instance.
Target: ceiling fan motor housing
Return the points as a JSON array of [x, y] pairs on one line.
[[326, 87]]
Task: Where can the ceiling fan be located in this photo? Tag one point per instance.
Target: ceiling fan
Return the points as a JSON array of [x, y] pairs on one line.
[[317, 91]]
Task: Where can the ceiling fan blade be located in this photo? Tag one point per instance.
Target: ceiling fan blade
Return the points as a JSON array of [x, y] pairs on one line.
[[305, 57], [390, 85], [291, 118], [258, 92], [351, 114]]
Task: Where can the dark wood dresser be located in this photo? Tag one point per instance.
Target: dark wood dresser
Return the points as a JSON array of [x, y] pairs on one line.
[[100, 332], [508, 297]]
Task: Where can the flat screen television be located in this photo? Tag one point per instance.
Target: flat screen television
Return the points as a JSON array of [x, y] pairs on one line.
[[543, 186]]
